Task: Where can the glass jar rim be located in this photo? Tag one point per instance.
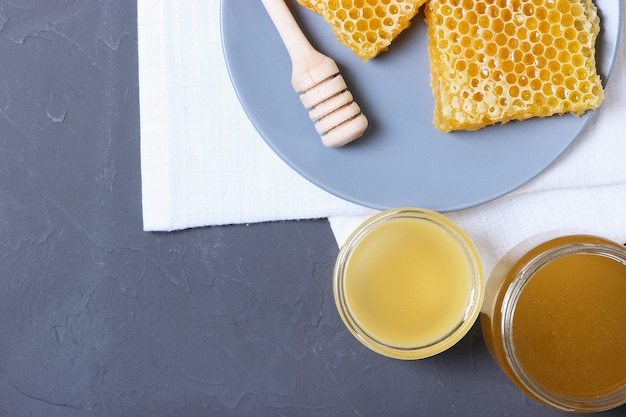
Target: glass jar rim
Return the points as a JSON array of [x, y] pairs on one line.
[[509, 304], [472, 309]]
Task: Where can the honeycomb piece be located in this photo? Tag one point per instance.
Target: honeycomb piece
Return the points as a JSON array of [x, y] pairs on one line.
[[493, 61], [367, 27]]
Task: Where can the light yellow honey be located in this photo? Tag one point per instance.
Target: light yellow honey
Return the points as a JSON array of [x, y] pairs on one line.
[[408, 283]]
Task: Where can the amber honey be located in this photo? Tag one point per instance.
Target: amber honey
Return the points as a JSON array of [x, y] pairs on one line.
[[554, 319]]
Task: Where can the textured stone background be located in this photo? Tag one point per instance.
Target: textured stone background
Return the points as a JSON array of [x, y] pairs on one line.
[[98, 318]]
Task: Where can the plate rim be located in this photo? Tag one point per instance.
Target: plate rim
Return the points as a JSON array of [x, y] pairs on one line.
[[345, 195]]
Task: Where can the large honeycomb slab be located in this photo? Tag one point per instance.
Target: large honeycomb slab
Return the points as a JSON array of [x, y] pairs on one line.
[[493, 61], [367, 27]]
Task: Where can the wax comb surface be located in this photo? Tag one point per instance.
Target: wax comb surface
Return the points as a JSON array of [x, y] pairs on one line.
[[367, 27], [493, 61]]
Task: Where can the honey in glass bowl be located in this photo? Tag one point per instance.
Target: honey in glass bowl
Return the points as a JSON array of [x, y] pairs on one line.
[[408, 283]]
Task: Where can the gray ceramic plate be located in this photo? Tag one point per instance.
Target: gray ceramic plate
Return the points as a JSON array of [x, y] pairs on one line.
[[402, 160]]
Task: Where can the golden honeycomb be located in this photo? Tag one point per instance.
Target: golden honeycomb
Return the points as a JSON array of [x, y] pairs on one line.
[[493, 61], [367, 27]]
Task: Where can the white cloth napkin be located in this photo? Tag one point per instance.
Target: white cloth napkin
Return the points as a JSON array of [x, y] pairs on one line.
[[204, 164]]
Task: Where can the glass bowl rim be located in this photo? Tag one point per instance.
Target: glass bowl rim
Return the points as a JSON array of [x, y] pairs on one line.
[[474, 303]]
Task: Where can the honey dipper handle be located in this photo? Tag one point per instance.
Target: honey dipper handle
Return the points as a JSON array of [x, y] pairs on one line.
[[323, 91], [309, 66]]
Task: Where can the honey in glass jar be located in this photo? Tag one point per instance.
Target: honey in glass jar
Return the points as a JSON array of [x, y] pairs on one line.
[[554, 319]]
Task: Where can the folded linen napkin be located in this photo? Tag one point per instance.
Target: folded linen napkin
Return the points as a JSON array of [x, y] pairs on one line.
[[204, 164]]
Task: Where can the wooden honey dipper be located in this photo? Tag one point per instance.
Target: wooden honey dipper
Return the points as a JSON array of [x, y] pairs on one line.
[[338, 118]]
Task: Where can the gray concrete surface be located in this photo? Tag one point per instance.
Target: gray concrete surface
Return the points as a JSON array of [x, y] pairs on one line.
[[98, 318]]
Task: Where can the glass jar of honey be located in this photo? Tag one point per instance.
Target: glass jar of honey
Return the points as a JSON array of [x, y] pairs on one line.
[[554, 319], [408, 283]]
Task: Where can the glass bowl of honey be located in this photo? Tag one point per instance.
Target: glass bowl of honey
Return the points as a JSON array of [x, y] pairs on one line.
[[554, 319], [408, 283]]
